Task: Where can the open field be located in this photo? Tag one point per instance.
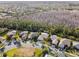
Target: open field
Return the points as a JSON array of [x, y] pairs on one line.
[[54, 18]]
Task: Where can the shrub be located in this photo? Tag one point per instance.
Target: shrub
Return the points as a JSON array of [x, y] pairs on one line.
[[35, 26], [72, 37], [76, 32], [38, 52]]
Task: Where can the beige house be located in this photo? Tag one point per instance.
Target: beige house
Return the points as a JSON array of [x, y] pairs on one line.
[[24, 35], [32, 35], [65, 42], [43, 36]]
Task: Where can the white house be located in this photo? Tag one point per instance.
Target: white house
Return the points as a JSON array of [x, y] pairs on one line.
[[64, 42], [77, 46], [55, 42], [2, 38], [43, 36], [53, 37], [12, 33], [32, 35], [24, 35]]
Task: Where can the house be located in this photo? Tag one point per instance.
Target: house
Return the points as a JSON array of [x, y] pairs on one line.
[[12, 33], [24, 35], [33, 35], [64, 43], [43, 36], [53, 37]]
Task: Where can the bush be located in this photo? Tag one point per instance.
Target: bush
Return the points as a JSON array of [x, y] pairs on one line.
[[77, 39], [76, 32], [72, 37], [38, 52], [3, 31], [35, 26]]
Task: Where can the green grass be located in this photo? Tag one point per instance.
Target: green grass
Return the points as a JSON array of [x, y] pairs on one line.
[[58, 29], [38, 52], [11, 52]]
